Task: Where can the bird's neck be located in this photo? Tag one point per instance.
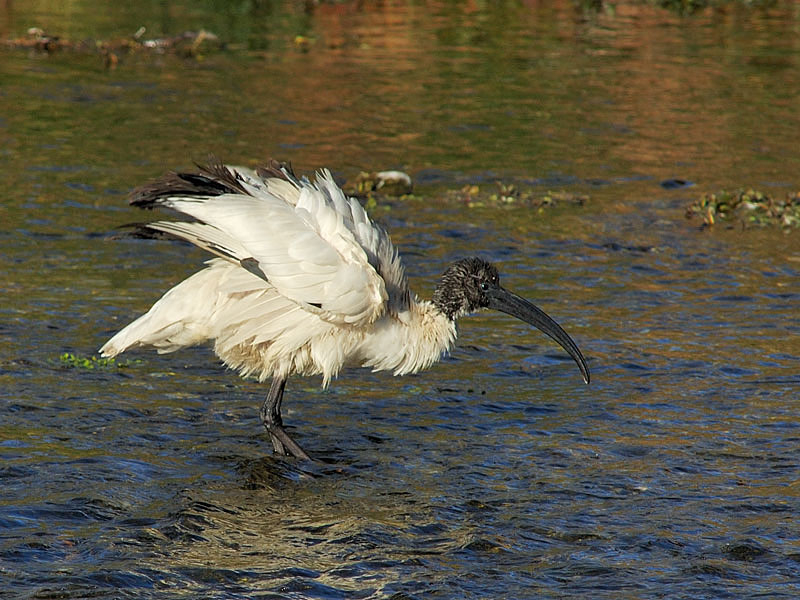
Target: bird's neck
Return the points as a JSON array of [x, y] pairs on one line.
[[444, 302], [408, 341], [432, 335]]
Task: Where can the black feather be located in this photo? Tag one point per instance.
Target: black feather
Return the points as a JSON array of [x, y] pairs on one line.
[[214, 179], [276, 169], [223, 176], [251, 264], [143, 231], [140, 231]]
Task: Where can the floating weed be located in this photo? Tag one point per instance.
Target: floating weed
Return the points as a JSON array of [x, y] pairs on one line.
[[690, 7], [384, 183], [748, 207], [71, 361], [374, 189], [190, 44], [508, 194], [681, 7]]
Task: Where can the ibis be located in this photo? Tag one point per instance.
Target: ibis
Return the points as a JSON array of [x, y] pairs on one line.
[[302, 282]]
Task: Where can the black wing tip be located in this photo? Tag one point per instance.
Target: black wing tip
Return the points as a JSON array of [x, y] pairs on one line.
[[146, 231], [277, 169], [213, 178], [140, 231], [173, 184], [251, 264], [222, 176]]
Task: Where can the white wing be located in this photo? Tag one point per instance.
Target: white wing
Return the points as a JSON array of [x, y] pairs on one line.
[[310, 242]]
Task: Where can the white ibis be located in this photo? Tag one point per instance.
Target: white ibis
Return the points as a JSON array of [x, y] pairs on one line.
[[304, 283]]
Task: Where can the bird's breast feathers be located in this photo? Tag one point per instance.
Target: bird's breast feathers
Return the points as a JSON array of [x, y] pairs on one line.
[[409, 342]]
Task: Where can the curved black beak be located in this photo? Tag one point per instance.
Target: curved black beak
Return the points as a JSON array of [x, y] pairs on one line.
[[509, 303]]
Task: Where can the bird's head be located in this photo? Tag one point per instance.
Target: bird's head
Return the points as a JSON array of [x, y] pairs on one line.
[[471, 284], [464, 286]]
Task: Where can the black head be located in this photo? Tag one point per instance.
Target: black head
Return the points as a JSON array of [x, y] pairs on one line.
[[463, 286], [472, 283]]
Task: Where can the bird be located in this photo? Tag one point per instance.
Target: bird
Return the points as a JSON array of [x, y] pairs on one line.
[[301, 282]]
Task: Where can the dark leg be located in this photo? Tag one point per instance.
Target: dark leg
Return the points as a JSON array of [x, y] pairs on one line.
[[271, 417]]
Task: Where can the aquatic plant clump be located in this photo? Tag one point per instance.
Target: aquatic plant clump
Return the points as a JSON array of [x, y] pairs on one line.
[[748, 207], [190, 44], [681, 7], [508, 194], [71, 361]]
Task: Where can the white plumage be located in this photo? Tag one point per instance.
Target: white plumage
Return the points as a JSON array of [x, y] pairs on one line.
[[304, 283]]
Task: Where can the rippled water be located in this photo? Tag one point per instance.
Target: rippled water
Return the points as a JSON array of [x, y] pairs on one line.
[[496, 474]]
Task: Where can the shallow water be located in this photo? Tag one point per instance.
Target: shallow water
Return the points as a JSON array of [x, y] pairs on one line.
[[496, 474]]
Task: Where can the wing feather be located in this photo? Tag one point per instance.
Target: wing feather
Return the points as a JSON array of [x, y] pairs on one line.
[[314, 245]]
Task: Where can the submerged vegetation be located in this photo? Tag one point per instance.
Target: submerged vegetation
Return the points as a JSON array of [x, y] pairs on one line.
[[748, 207]]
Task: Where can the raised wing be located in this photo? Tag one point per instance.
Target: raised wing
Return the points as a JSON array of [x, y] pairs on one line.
[[309, 241], [372, 238]]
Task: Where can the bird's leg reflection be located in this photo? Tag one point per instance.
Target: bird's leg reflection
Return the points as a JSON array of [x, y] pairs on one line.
[[271, 417]]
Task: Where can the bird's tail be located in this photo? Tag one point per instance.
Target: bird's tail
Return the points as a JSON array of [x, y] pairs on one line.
[[179, 319]]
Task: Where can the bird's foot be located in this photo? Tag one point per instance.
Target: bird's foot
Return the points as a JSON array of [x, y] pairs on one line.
[[283, 444]]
